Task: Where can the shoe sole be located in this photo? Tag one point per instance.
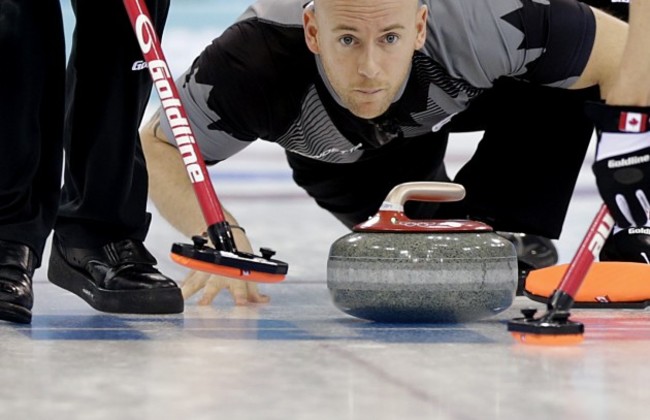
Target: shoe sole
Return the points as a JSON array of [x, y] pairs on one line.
[[15, 313], [149, 301]]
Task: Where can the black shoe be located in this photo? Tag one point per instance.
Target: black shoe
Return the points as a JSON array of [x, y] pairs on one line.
[[533, 252], [17, 265], [631, 245], [119, 277]]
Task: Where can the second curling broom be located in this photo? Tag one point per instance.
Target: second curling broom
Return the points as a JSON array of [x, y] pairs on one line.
[[554, 327]]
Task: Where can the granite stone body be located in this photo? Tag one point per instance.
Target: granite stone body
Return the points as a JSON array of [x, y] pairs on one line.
[[422, 277]]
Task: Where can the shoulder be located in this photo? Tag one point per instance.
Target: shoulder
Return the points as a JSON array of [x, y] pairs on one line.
[[281, 12], [253, 73], [260, 41], [482, 40], [252, 45]]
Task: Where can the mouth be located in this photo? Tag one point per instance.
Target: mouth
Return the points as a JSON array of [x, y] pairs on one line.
[[368, 91]]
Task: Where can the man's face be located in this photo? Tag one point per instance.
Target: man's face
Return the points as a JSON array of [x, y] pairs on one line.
[[366, 47]]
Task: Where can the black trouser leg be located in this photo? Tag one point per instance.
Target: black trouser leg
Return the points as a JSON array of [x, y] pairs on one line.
[[104, 196], [523, 173], [32, 51]]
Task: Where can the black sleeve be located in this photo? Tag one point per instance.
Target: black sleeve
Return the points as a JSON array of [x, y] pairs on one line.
[[255, 70], [568, 42]]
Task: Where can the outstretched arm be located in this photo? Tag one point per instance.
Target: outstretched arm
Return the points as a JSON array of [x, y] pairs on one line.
[[171, 192], [622, 120], [606, 54], [620, 59], [631, 84]]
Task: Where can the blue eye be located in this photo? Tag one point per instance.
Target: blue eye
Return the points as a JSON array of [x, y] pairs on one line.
[[346, 40], [392, 38]]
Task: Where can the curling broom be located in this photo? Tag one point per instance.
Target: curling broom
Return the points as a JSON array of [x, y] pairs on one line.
[[224, 258]]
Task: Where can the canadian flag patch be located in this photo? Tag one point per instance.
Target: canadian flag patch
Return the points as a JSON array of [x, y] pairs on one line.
[[633, 122]]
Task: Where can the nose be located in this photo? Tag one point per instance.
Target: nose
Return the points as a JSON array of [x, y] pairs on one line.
[[368, 62]]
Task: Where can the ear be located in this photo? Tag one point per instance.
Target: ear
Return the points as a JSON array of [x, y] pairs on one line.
[[311, 29], [421, 26]]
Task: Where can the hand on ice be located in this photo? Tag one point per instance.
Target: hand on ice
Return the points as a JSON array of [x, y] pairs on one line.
[[243, 292]]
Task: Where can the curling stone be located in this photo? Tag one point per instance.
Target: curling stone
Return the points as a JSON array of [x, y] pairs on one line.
[[395, 269]]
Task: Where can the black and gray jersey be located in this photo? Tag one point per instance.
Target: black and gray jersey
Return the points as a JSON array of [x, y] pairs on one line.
[[258, 80]]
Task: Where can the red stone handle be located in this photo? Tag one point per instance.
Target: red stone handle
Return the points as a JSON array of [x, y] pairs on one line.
[[391, 217]]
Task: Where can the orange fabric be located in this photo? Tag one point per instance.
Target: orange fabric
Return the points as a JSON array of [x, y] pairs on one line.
[[606, 282]]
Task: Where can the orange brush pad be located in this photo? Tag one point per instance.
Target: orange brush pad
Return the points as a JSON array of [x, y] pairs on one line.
[[225, 271], [607, 284], [548, 339]]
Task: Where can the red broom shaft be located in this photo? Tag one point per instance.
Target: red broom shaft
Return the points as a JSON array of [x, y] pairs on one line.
[[174, 111], [587, 252]]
